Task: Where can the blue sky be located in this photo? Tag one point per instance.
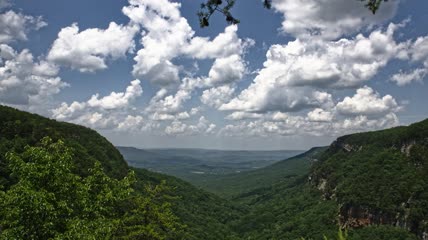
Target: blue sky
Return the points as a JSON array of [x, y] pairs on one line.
[[143, 73]]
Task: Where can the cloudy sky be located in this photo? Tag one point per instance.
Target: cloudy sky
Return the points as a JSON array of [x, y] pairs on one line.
[[143, 73]]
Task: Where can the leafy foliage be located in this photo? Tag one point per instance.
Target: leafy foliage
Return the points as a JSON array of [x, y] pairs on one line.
[[80, 188], [373, 5], [383, 173], [19, 129], [206, 215], [49, 201], [152, 204]]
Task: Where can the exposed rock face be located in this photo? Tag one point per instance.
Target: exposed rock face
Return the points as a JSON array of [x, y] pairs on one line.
[[358, 216], [354, 215], [340, 143], [406, 147]]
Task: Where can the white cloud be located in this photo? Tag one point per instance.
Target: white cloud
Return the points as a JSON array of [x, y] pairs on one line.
[[109, 112], [215, 97], [419, 50], [243, 115], [163, 102], [203, 126], [88, 50], [170, 103], [72, 111], [418, 53], [195, 110], [24, 81], [292, 71], [117, 100], [367, 102], [318, 123], [167, 117], [166, 33], [131, 123], [404, 78], [226, 70], [168, 36], [320, 115], [329, 19], [266, 97], [223, 45], [15, 26], [364, 123], [176, 128]]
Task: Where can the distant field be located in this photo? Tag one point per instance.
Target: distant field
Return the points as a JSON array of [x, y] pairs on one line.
[[195, 165]]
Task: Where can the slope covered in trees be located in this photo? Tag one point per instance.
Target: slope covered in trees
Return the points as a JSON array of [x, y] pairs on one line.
[[74, 158], [61, 178], [374, 184], [378, 178], [233, 185]]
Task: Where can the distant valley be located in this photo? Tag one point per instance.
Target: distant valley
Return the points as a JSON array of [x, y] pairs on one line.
[[196, 165]]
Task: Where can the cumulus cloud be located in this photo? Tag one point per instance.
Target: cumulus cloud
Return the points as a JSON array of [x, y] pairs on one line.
[[292, 71], [265, 97], [15, 26], [168, 35], [320, 115], [165, 102], [24, 81], [117, 100], [243, 115], [223, 45], [226, 70], [167, 117], [108, 112], [131, 123], [367, 102], [418, 53], [88, 50], [364, 123], [318, 123], [365, 110], [329, 19], [404, 78], [215, 97], [203, 126]]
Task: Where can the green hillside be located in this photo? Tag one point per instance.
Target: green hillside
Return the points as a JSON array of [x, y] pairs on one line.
[[373, 184], [18, 129], [378, 177], [233, 185], [204, 215], [75, 182]]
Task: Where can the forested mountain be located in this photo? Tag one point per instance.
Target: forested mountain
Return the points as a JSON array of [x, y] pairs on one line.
[[378, 178], [234, 185], [201, 215], [70, 182], [373, 184]]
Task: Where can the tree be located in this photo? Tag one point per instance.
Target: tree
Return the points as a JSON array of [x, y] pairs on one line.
[[51, 201], [224, 7]]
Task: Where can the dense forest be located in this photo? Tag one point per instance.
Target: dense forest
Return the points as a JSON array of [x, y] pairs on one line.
[[64, 181], [150, 205]]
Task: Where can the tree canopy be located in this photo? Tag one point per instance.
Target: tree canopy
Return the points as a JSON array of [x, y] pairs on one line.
[[50, 201], [210, 7]]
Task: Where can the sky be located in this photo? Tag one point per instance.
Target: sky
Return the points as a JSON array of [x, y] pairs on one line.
[[144, 74]]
